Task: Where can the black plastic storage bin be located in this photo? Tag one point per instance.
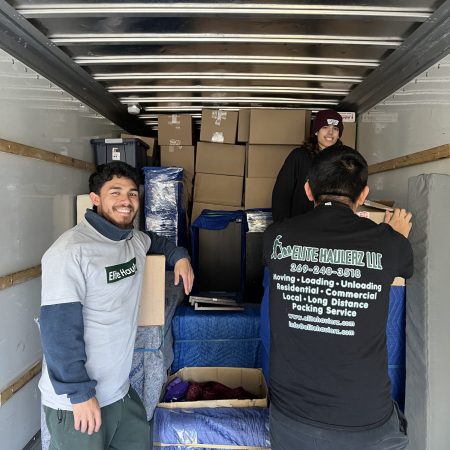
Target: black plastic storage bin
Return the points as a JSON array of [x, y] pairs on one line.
[[132, 151]]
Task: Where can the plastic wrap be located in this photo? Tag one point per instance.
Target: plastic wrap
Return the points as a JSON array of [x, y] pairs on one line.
[[166, 203], [236, 427], [216, 338], [258, 219]]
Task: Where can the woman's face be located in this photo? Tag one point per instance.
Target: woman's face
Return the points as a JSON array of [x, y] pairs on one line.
[[327, 135]]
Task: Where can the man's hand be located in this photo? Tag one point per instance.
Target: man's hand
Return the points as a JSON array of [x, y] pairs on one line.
[[399, 220], [87, 416], [184, 270]]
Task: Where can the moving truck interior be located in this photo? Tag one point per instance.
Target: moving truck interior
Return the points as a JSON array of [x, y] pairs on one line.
[[167, 72]]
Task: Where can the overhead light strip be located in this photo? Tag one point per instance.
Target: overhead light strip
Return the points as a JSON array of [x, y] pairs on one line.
[[183, 108], [182, 38], [306, 101], [187, 109], [155, 116], [202, 9], [258, 89], [162, 59], [224, 76]]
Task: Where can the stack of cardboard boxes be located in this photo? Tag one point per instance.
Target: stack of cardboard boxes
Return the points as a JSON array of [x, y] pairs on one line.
[[239, 154], [176, 144], [220, 163], [272, 135]]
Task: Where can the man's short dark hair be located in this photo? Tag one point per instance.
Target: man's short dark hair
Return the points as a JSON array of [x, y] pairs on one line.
[[106, 172], [338, 171]]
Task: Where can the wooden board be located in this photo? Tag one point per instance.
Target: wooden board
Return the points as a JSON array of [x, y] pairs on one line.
[[20, 382], [432, 154], [11, 279], [44, 155]]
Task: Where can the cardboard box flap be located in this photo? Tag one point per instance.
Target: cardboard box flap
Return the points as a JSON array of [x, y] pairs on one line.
[[380, 204], [152, 302]]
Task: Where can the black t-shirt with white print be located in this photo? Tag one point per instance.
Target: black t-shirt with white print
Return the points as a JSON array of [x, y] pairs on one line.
[[330, 274]]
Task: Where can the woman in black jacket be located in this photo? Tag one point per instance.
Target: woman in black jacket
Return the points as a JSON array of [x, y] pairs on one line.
[[288, 197]]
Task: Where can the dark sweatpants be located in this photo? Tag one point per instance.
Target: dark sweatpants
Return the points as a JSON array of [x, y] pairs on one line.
[[124, 427], [288, 434]]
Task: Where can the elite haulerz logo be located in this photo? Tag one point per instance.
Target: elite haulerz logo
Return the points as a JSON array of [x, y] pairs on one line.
[[117, 273]]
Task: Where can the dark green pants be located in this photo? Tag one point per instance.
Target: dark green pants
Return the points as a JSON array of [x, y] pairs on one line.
[[124, 427]]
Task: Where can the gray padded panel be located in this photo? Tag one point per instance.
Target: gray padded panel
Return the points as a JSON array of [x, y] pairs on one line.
[[427, 404]]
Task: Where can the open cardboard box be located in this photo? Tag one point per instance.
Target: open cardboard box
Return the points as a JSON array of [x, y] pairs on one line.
[[252, 380]]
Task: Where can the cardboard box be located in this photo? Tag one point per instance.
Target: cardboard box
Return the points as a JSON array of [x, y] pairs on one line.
[[179, 156], [219, 126], [218, 189], [83, 202], [150, 141], [243, 125], [152, 151], [252, 380], [258, 192], [349, 134], [175, 129], [265, 161], [279, 126], [198, 207], [375, 211], [224, 159], [152, 302]]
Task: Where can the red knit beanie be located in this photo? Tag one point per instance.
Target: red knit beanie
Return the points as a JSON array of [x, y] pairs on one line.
[[325, 118]]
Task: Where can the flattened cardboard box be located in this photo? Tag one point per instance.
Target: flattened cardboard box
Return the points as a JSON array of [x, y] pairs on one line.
[[152, 302], [279, 126], [218, 126], [222, 159], [265, 161], [179, 156], [198, 207], [218, 189], [252, 380], [175, 129], [258, 192]]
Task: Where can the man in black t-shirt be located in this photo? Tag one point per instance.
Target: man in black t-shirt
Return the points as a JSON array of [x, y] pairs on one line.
[[330, 275]]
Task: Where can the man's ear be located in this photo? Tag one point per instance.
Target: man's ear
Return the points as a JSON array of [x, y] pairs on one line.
[[362, 197], [308, 192], [95, 199]]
